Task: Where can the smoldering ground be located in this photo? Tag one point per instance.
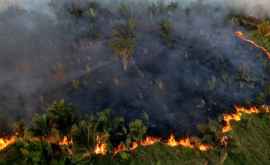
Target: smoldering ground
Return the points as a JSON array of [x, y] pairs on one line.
[[47, 53]]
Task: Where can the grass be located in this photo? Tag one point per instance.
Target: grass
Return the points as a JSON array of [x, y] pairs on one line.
[[250, 144], [251, 141]]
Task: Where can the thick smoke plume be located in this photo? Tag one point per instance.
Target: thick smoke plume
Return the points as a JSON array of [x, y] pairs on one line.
[[44, 49]]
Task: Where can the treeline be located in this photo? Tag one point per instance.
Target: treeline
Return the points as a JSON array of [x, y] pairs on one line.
[[40, 142]]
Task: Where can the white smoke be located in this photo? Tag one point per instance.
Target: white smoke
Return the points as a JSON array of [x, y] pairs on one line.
[[257, 8], [41, 6]]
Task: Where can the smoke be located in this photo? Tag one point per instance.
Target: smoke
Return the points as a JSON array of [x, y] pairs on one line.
[[44, 49], [258, 8]]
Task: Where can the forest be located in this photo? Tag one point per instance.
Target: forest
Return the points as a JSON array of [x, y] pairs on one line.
[[152, 86]]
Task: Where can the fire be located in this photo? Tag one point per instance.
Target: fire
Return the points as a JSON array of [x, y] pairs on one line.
[[65, 141], [242, 36], [5, 142], [101, 147], [149, 140], [236, 116], [204, 147], [171, 141], [134, 145], [119, 148], [186, 142]]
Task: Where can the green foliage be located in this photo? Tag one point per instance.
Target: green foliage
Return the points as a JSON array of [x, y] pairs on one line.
[[166, 32], [125, 10], [137, 130], [104, 121], [262, 96], [262, 34], [123, 41], [162, 8], [264, 28], [211, 132], [92, 14], [34, 153], [84, 134], [250, 141], [61, 116], [40, 126]]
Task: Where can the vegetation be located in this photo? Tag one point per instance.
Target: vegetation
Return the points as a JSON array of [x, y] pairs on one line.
[[123, 41], [248, 142], [41, 142], [259, 29], [166, 33]]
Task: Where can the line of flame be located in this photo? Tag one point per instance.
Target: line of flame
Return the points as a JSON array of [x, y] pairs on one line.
[[102, 148], [242, 36], [236, 116], [187, 142]]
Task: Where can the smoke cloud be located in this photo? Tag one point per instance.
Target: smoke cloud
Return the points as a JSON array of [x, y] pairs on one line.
[[44, 49]]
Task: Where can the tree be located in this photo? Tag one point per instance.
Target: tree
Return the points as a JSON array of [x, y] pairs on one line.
[[40, 126], [166, 33], [137, 130], [84, 134], [123, 41], [61, 116]]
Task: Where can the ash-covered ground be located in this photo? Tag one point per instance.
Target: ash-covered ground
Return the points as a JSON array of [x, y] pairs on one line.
[[55, 53]]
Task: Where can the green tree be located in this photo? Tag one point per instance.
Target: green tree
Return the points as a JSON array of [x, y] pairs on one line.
[[61, 116], [166, 32], [40, 126], [137, 130], [123, 41], [84, 134]]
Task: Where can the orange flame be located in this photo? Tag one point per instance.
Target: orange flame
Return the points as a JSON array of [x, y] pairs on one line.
[[186, 142], [65, 141], [171, 141], [236, 116], [101, 147], [204, 147], [119, 148], [189, 142], [149, 140], [5, 142], [134, 145], [242, 36]]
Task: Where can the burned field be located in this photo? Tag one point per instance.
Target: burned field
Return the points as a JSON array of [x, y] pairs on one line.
[[202, 74], [87, 81]]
